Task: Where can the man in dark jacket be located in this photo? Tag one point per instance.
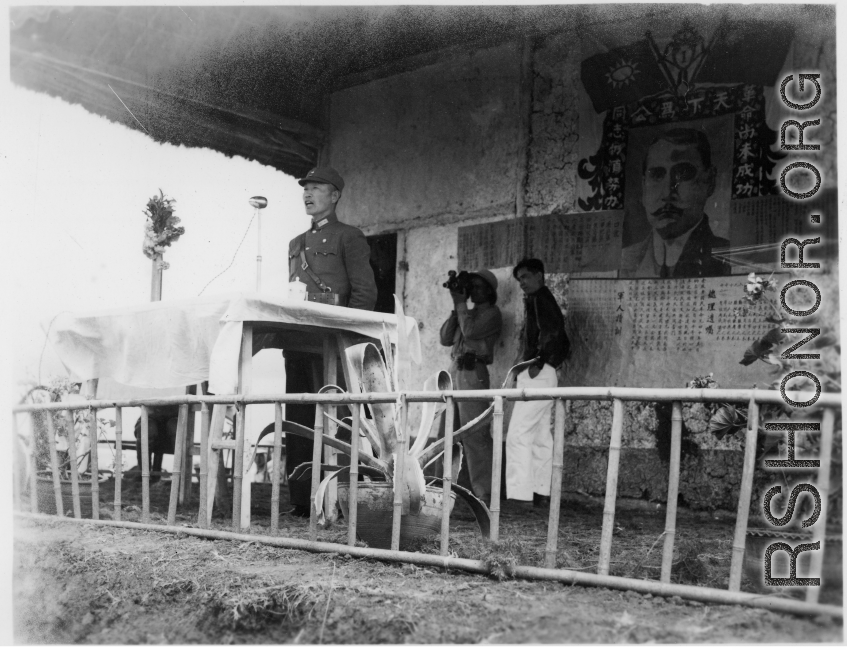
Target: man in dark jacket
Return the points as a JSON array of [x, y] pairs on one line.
[[529, 441], [333, 260]]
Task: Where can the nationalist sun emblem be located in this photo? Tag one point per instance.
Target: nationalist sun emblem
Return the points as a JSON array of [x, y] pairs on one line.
[[622, 73]]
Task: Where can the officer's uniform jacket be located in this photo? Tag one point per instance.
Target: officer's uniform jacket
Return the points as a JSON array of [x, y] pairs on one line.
[[339, 255]]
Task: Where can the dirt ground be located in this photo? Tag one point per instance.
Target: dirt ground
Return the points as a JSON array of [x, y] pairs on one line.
[[85, 584]]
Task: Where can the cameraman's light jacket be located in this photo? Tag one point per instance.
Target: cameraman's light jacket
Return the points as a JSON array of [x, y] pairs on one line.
[[473, 330]]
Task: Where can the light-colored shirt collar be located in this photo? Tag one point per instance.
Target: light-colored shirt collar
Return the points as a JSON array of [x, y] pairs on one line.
[[669, 250]]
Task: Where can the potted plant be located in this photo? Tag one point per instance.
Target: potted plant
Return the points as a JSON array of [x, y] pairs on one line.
[[381, 451], [45, 496]]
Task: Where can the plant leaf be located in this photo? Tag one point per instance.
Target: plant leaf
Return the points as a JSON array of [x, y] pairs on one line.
[[304, 471], [727, 420], [364, 443], [369, 368], [480, 511], [471, 427], [371, 433], [415, 484], [319, 495], [304, 432], [440, 380]]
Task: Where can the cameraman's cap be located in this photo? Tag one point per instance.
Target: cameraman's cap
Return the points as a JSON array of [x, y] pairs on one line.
[[488, 276], [323, 175]]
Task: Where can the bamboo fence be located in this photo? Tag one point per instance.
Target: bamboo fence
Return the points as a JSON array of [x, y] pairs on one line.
[[211, 444]]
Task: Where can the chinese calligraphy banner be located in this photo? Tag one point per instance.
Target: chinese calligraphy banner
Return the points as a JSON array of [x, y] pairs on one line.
[[661, 332]]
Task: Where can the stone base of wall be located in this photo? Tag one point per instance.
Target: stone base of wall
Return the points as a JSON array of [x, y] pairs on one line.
[[708, 481]]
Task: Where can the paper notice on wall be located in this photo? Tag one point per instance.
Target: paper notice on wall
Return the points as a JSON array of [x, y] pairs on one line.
[[566, 243], [662, 333], [490, 245]]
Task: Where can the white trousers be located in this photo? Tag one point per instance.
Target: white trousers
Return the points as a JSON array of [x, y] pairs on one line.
[[529, 441]]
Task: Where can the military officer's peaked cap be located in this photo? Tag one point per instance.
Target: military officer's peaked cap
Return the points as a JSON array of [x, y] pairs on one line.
[[323, 175]]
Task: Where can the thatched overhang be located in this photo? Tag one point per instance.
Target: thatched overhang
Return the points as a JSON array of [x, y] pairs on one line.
[[247, 81], [255, 81]]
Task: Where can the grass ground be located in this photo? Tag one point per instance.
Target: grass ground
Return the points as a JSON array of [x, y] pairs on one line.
[[84, 584]]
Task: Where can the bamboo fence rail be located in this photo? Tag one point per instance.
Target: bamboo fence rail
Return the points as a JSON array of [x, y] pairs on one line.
[[276, 459], [497, 462], [447, 483], [673, 491], [74, 466], [54, 465], [212, 426], [555, 484], [400, 472], [119, 463], [353, 493], [729, 395]]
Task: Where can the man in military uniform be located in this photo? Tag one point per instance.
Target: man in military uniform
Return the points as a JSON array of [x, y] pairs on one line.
[[333, 260]]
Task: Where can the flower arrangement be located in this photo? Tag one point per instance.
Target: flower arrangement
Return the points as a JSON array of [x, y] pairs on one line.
[[160, 229]]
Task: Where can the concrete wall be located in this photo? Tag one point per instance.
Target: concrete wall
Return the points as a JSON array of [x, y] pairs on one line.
[[439, 141], [454, 144]]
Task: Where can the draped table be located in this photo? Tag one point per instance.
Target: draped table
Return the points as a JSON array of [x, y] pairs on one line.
[[173, 344]]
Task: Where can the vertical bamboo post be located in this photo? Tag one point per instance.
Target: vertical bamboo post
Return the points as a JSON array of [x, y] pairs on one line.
[[238, 465], [447, 483], [33, 468], [611, 489], [673, 491], [187, 460], [400, 473], [145, 465], [179, 447], [18, 472], [119, 461], [94, 465], [54, 464], [330, 373], [556, 484], [214, 459], [205, 421], [353, 492], [740, 537], [156, 279], [317, 445], [822, 485], [496, 467], [74, 468], [275, 473]]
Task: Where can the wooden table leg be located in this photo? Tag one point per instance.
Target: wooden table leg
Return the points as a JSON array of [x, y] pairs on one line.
[[241, 488]]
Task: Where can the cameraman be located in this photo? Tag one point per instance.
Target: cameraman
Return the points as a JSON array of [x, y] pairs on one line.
[[472, 333]]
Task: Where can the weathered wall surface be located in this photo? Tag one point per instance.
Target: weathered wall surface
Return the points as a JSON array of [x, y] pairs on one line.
[[441, 140], [554, 127], [427, 151]]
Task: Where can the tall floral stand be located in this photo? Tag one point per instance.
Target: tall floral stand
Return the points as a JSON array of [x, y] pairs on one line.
[[156, 278]]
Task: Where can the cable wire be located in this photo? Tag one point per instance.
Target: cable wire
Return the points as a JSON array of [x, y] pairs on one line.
[[233, 257]]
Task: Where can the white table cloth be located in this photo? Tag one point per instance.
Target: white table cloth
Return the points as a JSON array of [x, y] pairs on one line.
[[176, 343]]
